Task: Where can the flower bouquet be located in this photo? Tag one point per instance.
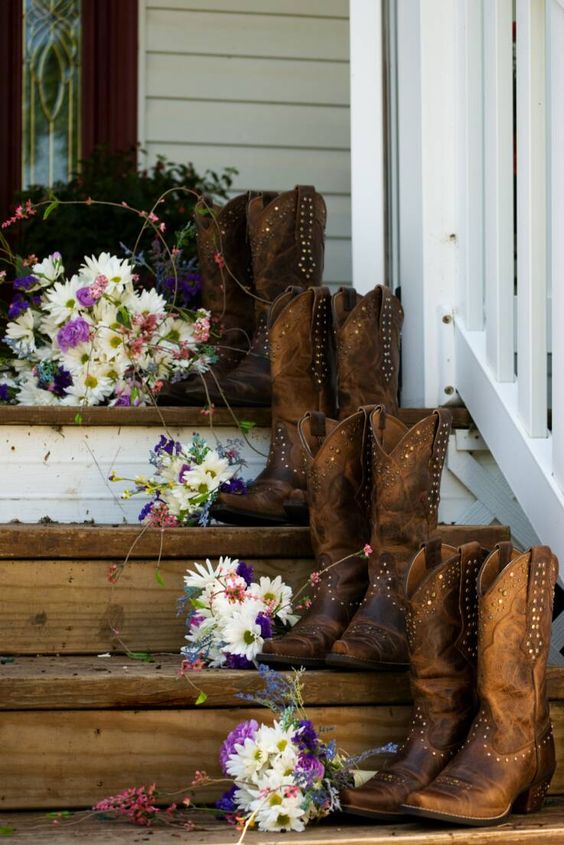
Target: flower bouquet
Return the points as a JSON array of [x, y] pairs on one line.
[[186, 481], [97, 338], [230, 615]]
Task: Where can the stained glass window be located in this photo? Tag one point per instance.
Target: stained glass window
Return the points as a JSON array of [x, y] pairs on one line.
[[51, 90]]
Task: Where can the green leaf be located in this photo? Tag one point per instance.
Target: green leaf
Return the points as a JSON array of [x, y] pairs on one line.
[[123, 317], [201, 698], [50, 208], [198, 605], [246, 426], [6, 830], [159, 578], [60, 814], [143, 656], [78, 418]]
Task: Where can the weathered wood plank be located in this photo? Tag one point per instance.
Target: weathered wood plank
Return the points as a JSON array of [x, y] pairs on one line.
[[67, 607], [111, 542], [544, 828], [83, 683], [33, 415], [74, 758]]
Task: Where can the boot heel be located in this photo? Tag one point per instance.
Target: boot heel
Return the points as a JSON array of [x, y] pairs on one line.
[[532, 799]]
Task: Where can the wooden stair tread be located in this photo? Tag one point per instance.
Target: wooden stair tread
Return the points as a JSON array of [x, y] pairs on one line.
[[111, 542], [34, 415], [87, 682], [545, 828]]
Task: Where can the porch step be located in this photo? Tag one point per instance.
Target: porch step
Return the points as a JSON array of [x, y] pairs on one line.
[[55, 596], [545, 828], [75, 730]]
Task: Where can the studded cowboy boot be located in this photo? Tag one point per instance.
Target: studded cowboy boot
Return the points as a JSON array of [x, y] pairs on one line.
[[442, 620], [286, 234], [406, 476], [367, 339], [224, 256], [302, 379], [339, 498], [507, 761]]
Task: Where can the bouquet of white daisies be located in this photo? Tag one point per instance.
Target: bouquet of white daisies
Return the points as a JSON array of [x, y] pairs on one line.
[[97, 338], [230, 614]]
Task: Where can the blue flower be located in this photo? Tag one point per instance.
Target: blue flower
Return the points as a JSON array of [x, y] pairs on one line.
[[4, 393], [244, 570], [145, 511], [306, 738], [237, 661], [226, 803], [24, 283], [265, 624]]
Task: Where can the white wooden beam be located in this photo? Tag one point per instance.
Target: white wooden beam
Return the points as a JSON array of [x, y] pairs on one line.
[[367, 144]]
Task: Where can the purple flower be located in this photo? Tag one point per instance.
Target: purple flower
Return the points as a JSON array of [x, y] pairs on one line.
[[87, 297], [196, 620], [123, 400], [226, 803], [306, 738], [25, 283], [234, 485], [166, 445], [183, 469], [17, 306], [244, 570], [61, 380], [237, 736], [265, 624], [145, 511], [237, 661], [4, 393], [72, 333], [309, 769]]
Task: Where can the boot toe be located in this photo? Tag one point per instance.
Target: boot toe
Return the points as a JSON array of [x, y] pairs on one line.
[[376, 799], [370, 652]]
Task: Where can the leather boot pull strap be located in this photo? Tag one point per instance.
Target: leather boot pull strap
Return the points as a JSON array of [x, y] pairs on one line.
[[539, 588], [317, 424], [305, 212], [349, 298], [440, 445], [505, 550], [320, 335]]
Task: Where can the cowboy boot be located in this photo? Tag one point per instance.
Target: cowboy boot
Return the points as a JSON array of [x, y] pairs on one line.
[[507, 761], [406, 477], [286, 234], [224, 257], [301, 379], [339, 499], [367, 339], [442, 617]]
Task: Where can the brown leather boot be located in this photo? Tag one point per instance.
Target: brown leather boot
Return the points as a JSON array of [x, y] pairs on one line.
[[224, 256], [507, 761], [338, 497], [406, 477], [302, 379], [367, 339], [286, 235], [442, 619]]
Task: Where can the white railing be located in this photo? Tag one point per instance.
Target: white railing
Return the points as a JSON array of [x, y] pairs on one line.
[[501, 368]]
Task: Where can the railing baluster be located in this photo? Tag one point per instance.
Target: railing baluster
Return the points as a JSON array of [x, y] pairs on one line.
[[498, 186], [555, 45], [531, 216]]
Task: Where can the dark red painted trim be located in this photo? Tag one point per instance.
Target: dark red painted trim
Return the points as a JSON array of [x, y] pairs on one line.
[[109, 74], [10, 102]]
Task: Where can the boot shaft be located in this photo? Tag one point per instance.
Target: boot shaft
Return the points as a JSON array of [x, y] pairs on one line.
[[338, 491], [406, 475], [287, 240], [516, 592], [367, 339]]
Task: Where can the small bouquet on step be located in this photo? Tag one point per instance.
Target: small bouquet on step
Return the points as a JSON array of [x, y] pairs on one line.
[[186, 481], [97, 337], [285, 775], [229, 614]]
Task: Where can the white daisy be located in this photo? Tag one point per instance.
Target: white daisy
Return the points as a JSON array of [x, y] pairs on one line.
[[206, 574], [279, 812], [276, 595], [242, 634], [89, 386], [248, 760], [61, 302], [20, 333], [148, 302], [30, 394], [118, 272], [50, 269]]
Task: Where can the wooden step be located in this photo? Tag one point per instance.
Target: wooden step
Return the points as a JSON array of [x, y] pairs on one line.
[[544, 828], [55, 596], [74, 730]]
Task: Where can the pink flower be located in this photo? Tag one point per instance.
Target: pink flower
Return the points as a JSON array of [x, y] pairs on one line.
[[314, 578], [291, 792], [367, 550], [200, 777], [219, 260]]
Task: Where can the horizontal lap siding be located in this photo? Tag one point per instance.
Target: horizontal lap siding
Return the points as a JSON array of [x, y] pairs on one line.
[[260, 85]]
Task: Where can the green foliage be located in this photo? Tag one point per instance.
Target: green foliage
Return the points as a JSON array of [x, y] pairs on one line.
[[79, 230]]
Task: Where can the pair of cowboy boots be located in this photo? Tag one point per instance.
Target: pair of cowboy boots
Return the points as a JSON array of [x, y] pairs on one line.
[[371, 481], [479, 744], [328, 354], [250, 250]]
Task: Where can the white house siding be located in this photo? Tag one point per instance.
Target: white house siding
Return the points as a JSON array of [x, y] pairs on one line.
[[260, 85]]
